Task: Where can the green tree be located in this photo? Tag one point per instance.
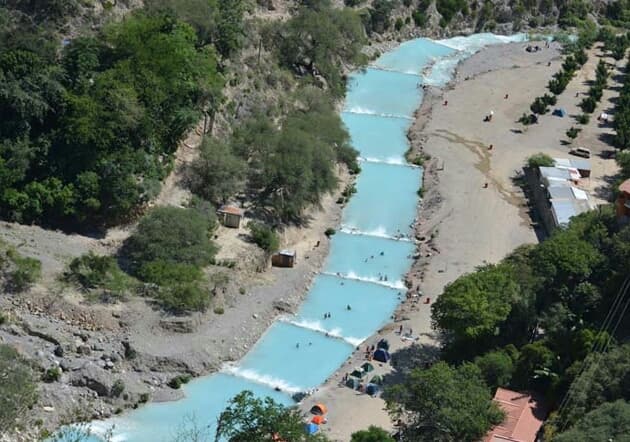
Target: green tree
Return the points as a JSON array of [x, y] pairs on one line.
[[217, 174], [540, 160], [372, 434], [170, 235], [496, 368], [608, 422], [18, 389], [472, 307], [321, 40], [248, 418], [443, 403]]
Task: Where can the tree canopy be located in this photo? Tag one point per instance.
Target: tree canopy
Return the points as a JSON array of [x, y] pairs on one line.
[[608, 422], [89, 136], [444, 403], [248, 418]]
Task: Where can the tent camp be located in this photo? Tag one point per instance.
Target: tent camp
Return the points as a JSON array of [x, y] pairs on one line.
[[371, 389], [353, 383], [312, 428], [318, 420], [357, 373], [381, 355], [367, 367], [377, 379], [319, 409], [560, 112]]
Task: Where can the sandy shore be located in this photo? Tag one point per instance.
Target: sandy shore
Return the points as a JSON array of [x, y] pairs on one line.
[[461, 224]]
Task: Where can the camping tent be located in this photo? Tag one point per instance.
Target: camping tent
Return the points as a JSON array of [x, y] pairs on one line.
[[371, 389], [383, 344], [377, 379], [319, 409], [381, 355], [367, 367], [353, 383], [358, 373], [560, 112], [312, 428], [318, 420]]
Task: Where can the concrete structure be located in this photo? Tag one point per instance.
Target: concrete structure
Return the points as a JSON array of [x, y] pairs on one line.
[[230, 216], [524, 415], [622, 205], [583, 167]]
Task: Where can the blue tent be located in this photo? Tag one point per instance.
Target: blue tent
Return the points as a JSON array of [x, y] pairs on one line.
[[381, 355], [371, 389], [312, 428], [560, 112]]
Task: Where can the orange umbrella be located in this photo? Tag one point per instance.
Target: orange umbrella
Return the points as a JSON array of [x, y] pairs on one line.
[[318, 420]]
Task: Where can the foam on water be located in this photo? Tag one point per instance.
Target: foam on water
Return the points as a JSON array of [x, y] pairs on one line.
[[267, 380], [319, 327], [379, 232], [353, 276], [365, 111]]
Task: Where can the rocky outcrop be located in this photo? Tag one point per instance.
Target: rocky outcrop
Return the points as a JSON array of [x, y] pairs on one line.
[[93, 377]]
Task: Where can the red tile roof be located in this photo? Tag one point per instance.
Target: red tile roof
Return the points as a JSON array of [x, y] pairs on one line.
[[625, 186], [524, 417]]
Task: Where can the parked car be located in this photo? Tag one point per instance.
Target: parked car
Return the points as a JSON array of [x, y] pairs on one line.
[[581, 152]]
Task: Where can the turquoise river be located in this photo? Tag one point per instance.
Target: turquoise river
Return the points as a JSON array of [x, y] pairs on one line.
[[368, 257]]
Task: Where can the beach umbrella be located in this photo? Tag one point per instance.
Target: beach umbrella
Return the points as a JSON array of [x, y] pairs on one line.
[[312, 428]]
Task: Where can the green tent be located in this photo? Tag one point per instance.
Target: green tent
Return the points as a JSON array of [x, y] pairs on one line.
[[377, 379], [367, 367], [353, 383], [358, 373]]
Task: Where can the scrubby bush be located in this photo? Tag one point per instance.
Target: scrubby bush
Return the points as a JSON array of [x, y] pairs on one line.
[[573, 132], [52, 374], [540, 160], [179, 380], [18, 389], [588, 105], [17, 272], [583, 119], [117, 388], [91, 272], [539, 106], [264, 236], [330, 232]]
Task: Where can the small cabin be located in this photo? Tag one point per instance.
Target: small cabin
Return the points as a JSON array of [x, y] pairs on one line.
[[284, 258], [230, 216]]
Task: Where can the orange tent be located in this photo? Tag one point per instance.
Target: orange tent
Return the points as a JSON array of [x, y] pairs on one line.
[[319, 409], [318, 420]]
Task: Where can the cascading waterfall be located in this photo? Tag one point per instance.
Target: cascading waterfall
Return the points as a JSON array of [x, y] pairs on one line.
[[368, 257]]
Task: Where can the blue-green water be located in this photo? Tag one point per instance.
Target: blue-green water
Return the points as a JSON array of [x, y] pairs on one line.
[[368, 257]]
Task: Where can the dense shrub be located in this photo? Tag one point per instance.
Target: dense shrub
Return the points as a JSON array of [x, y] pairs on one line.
[[169, 235], [88, 135], [264, 236], [92, 272], [17, 272], [540, 160]]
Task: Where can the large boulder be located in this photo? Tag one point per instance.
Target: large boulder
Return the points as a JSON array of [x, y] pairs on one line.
[[93, 377]]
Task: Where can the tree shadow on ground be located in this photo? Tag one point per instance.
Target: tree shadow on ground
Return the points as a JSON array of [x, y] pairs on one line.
[[408, 358]]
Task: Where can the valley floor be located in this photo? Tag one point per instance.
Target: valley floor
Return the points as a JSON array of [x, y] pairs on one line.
[[461, 223]]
